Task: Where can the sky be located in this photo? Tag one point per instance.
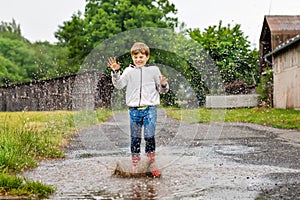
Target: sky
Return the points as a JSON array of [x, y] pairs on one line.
[[40, 19]]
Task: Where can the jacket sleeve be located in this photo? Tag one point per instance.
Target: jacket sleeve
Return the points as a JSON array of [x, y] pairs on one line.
[[161, 89], [118, 80]]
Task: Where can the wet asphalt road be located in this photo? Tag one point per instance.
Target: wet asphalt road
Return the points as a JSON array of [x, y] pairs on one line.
[[198, 161]]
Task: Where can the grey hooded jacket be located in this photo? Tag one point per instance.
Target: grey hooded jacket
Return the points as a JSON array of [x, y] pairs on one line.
[[142, 85]]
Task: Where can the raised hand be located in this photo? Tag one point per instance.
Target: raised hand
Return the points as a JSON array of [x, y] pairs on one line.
[[113, 64], [163, 80]]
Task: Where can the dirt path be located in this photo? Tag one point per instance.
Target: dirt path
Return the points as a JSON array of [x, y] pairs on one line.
[[198, 161]]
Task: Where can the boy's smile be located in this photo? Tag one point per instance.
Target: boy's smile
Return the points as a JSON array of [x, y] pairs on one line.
[[139, 59]]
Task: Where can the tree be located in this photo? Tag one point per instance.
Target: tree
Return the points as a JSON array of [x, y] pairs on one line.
[[104, 18], [22, 61], [8, 71], [51, 60], [231, 52], [10, 27], [20, 55]]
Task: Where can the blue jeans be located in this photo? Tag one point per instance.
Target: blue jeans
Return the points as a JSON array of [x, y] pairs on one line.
[[142, 118]]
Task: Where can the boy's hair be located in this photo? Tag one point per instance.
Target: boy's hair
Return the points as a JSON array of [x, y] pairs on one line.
[[140, 47]]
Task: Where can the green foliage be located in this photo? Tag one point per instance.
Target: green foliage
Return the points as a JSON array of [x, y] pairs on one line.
[[264, 88], [10, 27], [192, 73], [22, 61], [16, 57], [184, 75], [169, 99], [8, 71], [51, 60], [18, 60], [105, 18], [231, 52]]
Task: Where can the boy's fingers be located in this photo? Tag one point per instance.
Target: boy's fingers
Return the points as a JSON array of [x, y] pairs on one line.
[[113, 64], [111, 61], [163, 79]]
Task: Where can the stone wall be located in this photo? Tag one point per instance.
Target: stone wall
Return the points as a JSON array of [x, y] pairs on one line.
[[88, 90], [232, 101]]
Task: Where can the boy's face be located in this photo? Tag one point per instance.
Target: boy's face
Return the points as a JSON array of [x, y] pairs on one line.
[[139, 60]]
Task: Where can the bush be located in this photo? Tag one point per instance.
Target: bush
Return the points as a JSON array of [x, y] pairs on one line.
[[238, 87], [265, 89]]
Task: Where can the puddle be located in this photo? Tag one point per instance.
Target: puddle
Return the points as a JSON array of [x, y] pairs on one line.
[[236, 149], [199, 174]]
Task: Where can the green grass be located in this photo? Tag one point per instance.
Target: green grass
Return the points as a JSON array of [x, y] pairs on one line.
[[19, 186], [28, 137], [278, 118]]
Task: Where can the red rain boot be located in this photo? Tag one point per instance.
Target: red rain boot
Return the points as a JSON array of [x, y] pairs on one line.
[[155, 172], [135, 160]]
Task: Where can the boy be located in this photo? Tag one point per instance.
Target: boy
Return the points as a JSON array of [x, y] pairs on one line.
[[143, 84]]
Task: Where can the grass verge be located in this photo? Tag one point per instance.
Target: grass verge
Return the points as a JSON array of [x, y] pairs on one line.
[[19, 186], [28, 137], [277, 118]]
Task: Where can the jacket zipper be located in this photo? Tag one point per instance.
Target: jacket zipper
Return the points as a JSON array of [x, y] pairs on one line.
[[141, 83]]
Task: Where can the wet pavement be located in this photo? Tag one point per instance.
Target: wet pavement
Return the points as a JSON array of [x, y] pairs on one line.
[[198, 161]]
